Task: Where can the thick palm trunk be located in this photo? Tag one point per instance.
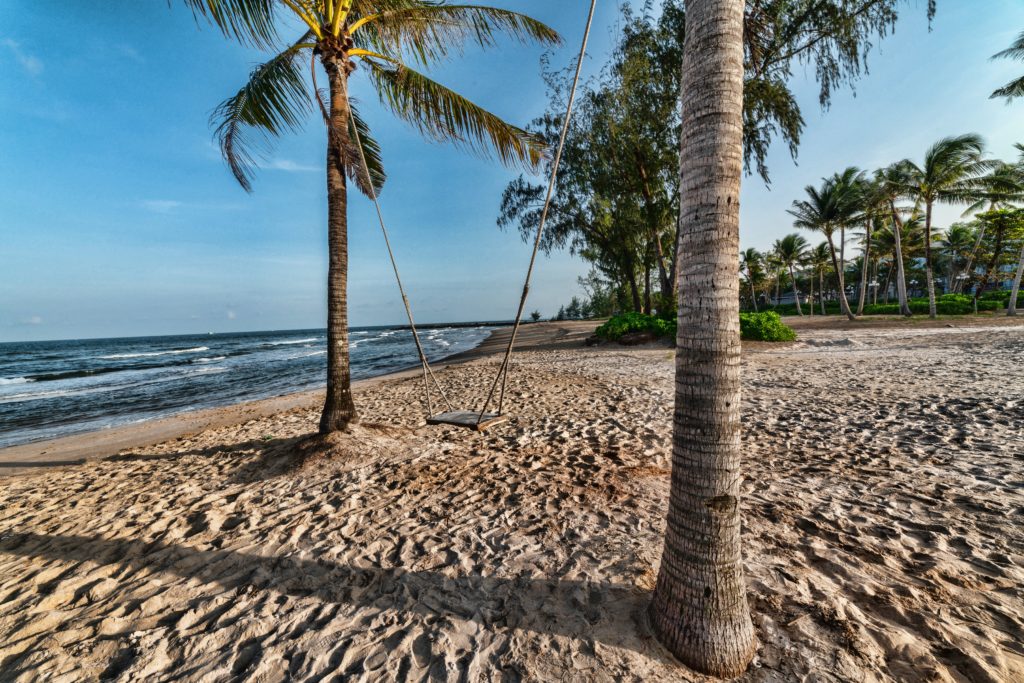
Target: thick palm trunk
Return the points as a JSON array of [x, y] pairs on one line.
[[901, 277], [339, 409], [796, 292], [929, 276], [1011, 308], [699, 610], [844, 305], [753, 296], [864, 270]]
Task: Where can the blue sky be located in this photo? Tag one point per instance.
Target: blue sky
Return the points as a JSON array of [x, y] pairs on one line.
[[118, 217]]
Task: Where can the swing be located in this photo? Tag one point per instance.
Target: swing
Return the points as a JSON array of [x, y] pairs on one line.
[[479, 420]]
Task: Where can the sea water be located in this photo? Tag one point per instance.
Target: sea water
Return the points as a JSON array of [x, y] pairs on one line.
[[55, 388]]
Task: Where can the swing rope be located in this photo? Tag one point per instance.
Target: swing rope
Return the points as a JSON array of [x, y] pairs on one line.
[[503, 371], [428, 373]]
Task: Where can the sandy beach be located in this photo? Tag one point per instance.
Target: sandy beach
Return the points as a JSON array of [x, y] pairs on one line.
[[884, 489]]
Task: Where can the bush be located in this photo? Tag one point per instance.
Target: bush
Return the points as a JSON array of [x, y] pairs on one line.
[[625, 323], [766, 326]]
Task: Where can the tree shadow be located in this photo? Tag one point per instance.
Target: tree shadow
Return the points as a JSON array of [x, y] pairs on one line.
[[28, 464], [588, 611]]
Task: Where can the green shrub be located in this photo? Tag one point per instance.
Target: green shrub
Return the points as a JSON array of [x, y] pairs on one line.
[[765, 326], [625, 323]]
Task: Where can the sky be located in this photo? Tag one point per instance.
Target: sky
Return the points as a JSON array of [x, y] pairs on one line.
[[119, 218]]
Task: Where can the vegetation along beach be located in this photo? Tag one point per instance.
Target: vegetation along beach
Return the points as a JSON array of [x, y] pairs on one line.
[[661, 340]]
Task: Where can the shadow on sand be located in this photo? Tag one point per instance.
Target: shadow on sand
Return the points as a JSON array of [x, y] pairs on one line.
[[614, 615]]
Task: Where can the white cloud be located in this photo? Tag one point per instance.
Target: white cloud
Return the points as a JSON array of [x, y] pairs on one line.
[[127, 51], [32, 64], [160, 205], [231, 315], [290, 167], [34, 320]]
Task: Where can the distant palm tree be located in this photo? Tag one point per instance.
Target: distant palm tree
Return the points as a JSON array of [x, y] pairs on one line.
[[1002, 188], [791, 250], [891, 183], [951, 174], [831, 207], [818, 259], [385, 36], [752, 265], [1014, 88], [957, 246]]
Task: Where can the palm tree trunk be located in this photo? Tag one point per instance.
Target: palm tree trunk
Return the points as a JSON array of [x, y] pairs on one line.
[[753, 295], [821, 290], [844, 305], [901, 277], [796, 292], [970, 258], [699, 609], [864, 270], [339, 409], [1011, 307], [929, 276], [810, 297], [874, 290]]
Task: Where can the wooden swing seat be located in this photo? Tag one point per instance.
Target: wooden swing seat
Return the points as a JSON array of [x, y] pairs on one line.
[[469, 419]]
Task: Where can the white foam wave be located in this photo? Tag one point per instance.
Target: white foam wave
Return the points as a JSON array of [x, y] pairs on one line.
[[210, 360], [118, 356], [295, 341], [306, 355], [15, 380]]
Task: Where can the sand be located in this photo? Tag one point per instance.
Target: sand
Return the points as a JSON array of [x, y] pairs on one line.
[[883, 496]]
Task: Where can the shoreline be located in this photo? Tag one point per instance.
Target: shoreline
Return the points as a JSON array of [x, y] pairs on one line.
[[78, 448], [75, 449]]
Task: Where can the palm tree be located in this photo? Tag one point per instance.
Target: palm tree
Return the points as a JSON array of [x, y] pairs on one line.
[[875, 208], [1014, 88], [831, 207], [699, 609], [1000, 189], [791, 250], [1011, 307], [752, 266], [891, 183], [957, 244], [818, 259], [950, 174], [384, 36]]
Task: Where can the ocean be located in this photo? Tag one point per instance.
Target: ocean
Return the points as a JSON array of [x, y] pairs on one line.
[[55, 388]]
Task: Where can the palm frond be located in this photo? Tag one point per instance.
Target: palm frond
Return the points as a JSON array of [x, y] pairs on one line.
[[1015, 51], [444, 115], [1014, 88], [427, 33], [274, 100], [370, 152], [251, 22]]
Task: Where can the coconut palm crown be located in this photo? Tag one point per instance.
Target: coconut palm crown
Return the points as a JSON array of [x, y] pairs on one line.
[[385, 38]]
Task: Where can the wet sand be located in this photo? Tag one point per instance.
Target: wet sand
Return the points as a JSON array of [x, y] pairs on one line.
[[883, 492]]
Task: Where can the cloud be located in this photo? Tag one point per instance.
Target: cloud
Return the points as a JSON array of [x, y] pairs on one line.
[[33, 65], [231, 315], [290, 167], [160, 205], [34, 320], [127, 51]]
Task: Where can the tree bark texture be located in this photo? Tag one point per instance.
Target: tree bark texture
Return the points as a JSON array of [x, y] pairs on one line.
[[1011, 307], [339, 409], [699, 608]]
